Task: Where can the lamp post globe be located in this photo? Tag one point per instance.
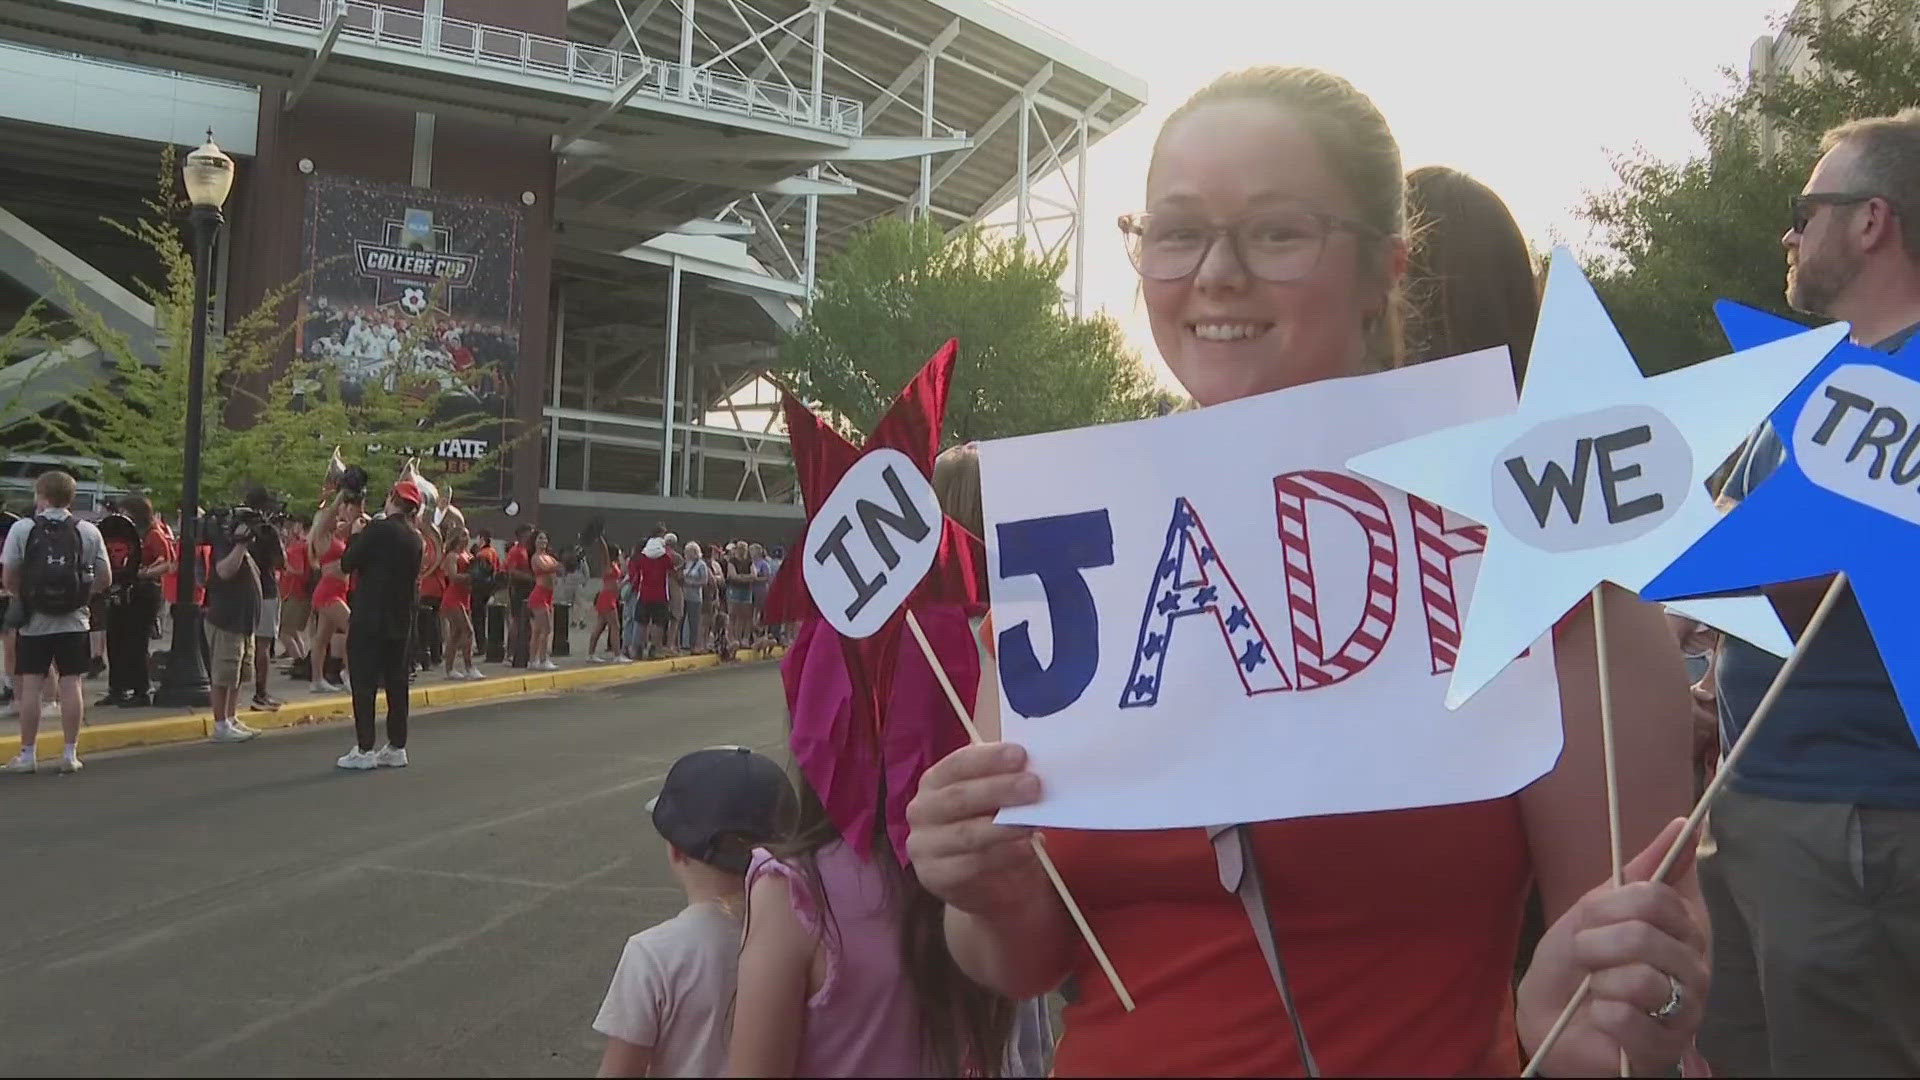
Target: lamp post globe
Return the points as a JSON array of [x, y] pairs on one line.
[[208, 178], [208, 175]]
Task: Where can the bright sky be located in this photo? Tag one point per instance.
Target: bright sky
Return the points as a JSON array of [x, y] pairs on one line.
[[1532, 97]]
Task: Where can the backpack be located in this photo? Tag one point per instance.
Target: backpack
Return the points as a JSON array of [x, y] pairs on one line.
[[482, 576], [55, 578], [122, 539]]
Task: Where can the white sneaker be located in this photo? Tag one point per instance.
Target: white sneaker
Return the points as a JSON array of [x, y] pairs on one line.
[[596, 658], [475, 673], [243, 727], [618, 659], [456, 673], [357, 758], [549, 666], [229, 731], [391, 757], [71, 763], [23, 762]]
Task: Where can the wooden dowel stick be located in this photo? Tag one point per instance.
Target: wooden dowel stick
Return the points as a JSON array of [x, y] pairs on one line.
[[1606, 730], [1039, 849], [1604, 671], [1707, 797]]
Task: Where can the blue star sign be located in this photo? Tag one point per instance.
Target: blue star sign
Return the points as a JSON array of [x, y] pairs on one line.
[[1847, 497]]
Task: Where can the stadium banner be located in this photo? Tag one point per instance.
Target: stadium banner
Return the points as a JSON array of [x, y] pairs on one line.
[[373, 253]]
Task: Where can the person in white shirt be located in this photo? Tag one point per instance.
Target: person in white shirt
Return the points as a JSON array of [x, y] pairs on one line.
[[51, 581], [668, 1011]]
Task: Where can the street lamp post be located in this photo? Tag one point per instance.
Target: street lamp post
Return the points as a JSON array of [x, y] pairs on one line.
[[209, 176]]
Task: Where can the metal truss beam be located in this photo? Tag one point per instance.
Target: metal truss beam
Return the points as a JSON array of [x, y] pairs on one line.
[[771, 61], [1011, 187], [1045, 101], [633, 20], [571, 212], [907, 200], [938, 45], [762, 284], [318, 60], [597, 114], [640, 161], [1021, 100], [778, 241], [756, 37], [752, 148]]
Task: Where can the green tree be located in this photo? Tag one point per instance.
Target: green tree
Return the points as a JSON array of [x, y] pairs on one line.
[[900, 289], [132, 418], [1683, 234]]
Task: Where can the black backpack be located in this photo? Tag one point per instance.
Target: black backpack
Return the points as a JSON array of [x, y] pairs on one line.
[[480, 574], [56, 578]]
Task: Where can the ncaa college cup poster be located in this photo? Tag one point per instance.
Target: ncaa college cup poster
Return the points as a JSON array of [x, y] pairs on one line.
[[375, 253]]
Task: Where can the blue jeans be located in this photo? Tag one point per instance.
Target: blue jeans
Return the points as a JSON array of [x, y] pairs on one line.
[[690, 625], [632, 626]]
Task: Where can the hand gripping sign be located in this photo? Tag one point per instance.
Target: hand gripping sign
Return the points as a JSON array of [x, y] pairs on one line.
[[1599, 476], [876, 549], [1841, 499]]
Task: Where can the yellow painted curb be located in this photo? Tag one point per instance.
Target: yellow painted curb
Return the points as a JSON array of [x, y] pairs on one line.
[[194, 726]]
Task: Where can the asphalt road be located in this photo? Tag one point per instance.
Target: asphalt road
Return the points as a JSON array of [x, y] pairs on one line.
[[251, 910]]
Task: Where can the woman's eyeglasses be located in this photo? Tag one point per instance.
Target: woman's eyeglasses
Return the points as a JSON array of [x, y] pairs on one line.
[[1277, 245], [1805, 206]]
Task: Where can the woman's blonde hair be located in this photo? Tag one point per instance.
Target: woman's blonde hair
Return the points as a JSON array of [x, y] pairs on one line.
[[1364, 156], [956, 483]]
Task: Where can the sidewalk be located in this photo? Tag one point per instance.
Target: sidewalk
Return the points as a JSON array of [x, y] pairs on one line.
[[114, 728]]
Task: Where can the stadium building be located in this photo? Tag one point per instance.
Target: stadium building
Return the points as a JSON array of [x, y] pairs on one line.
[[629, 199]]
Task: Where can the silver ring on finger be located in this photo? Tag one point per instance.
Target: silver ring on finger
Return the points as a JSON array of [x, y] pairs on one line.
[[1675, 998]]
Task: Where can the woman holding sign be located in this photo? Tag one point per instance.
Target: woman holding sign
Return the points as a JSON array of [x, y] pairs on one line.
[[1270, 256]]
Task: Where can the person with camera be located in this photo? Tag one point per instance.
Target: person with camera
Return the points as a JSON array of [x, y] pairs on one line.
[[53, 564], [270, 557], [385, 556], [233, 612]]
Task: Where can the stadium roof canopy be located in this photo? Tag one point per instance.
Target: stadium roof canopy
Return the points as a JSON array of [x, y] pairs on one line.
[[985, 63], [665, 112]]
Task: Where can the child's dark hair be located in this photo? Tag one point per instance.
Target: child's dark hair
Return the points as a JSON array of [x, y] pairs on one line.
[[735, 849], [964, 1027]]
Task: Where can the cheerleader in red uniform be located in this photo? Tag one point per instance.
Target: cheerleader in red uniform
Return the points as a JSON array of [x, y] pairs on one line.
[[606, 607], [456, 606], [540, 604], [327, 542]]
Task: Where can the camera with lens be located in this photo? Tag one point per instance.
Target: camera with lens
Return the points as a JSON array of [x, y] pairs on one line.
[[234, 524]]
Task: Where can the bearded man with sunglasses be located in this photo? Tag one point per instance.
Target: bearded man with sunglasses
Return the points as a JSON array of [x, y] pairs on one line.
[[1812, 875]]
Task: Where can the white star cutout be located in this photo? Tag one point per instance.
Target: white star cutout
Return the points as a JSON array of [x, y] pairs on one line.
[[1654, 442]]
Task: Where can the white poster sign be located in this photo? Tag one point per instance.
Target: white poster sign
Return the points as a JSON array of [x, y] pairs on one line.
[[1203, 619]]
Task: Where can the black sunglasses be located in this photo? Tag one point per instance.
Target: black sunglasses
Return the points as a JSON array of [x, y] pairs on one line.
[[1805, 205]]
